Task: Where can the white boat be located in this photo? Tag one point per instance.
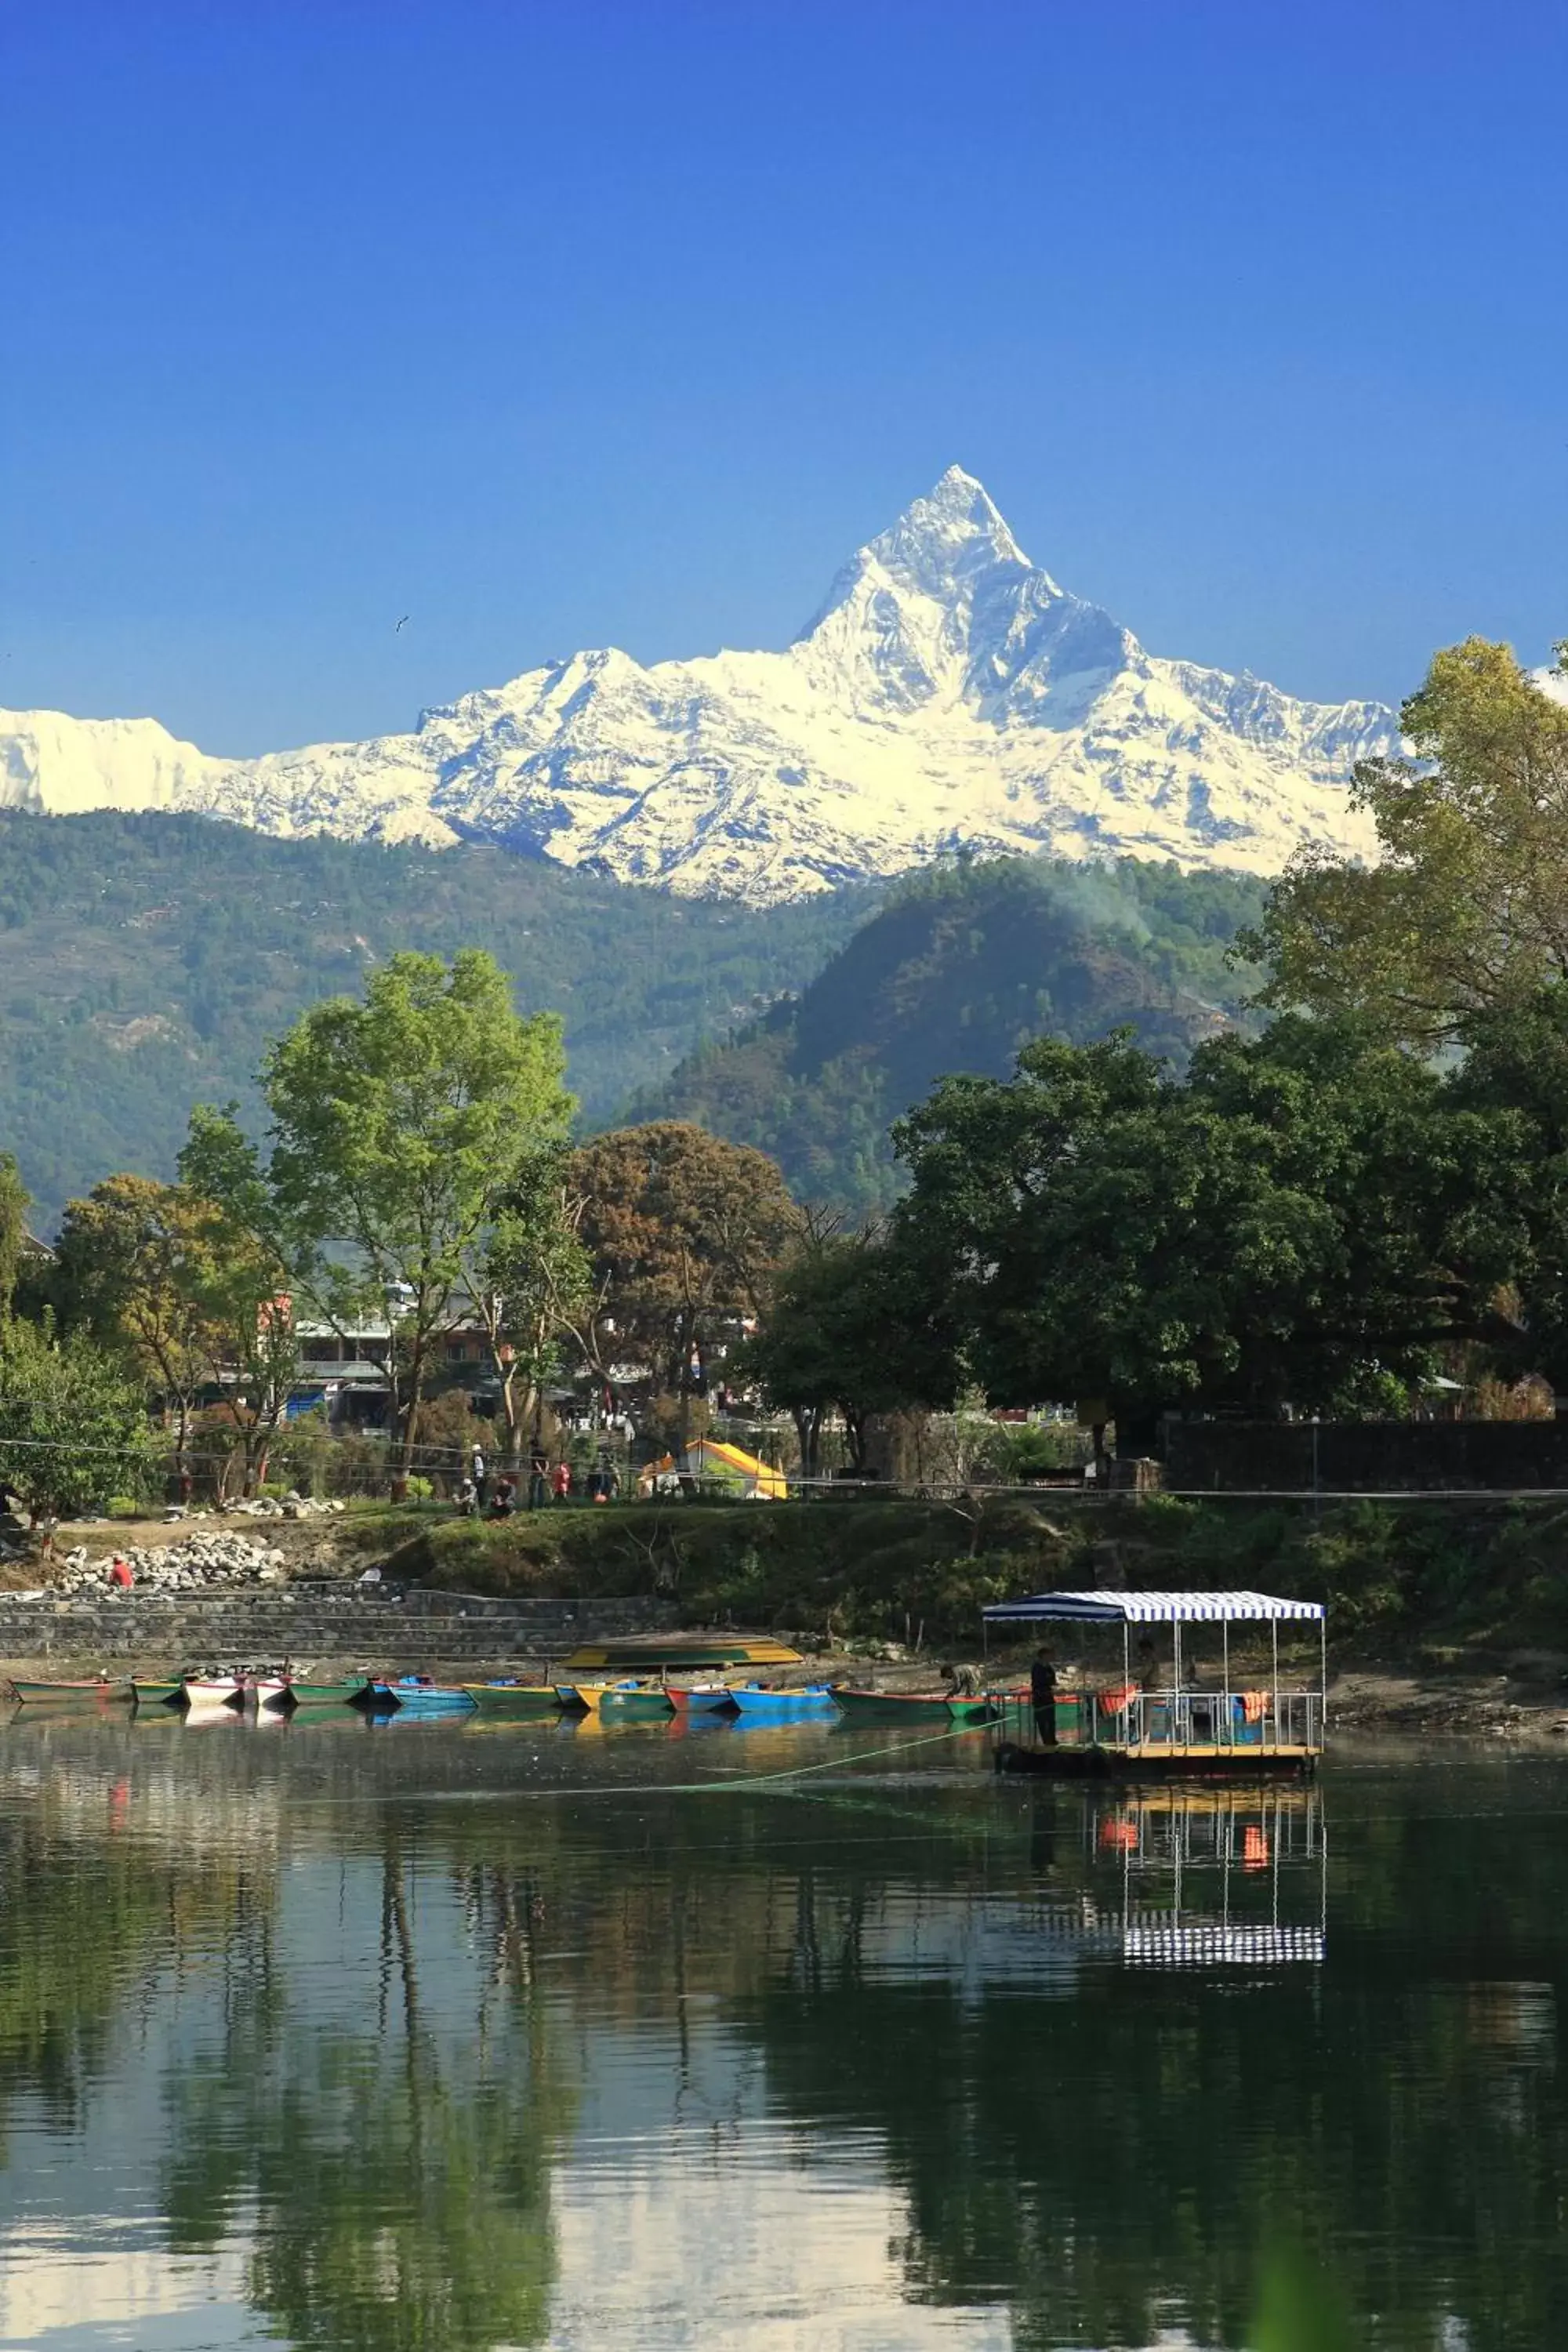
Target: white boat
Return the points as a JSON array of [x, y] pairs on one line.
[[207, 1691], [265, 1692]]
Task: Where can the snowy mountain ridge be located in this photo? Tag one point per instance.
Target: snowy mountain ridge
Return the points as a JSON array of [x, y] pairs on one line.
[[947, 694]]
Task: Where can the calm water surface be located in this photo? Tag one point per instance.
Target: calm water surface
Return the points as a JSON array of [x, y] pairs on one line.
[[418, 2037]]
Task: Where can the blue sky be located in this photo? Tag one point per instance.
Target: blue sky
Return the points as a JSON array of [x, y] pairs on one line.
[[624, 321]]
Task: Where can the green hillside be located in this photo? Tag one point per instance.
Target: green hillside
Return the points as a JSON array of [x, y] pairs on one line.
[[962, 966], [144, 960]]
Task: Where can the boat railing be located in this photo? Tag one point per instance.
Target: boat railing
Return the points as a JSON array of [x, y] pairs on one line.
[[1155, 1721]]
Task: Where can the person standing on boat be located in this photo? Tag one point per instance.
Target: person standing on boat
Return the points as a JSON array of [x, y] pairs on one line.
[[1043, 1697]]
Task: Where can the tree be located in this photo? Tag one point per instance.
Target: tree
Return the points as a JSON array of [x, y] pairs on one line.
[[1298, 1209], [398, 1124], [1468, 907], [839, 1334], [133, 1264], [246, 1264], [14, 1207], [73, 1423], [683, 1233], [531, 1279]]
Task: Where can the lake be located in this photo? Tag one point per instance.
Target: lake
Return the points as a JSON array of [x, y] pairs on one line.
[[412, 2036]]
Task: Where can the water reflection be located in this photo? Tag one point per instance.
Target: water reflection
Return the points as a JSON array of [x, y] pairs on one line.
[[471, 2041]]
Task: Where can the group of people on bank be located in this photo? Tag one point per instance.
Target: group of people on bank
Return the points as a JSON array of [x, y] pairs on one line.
[[481, 1497]]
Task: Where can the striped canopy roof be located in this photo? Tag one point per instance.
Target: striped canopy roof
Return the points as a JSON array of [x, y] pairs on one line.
[[1154, 1608]]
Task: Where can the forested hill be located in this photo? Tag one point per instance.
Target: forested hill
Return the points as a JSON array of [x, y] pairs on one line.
[[145, 961], [962, 967]]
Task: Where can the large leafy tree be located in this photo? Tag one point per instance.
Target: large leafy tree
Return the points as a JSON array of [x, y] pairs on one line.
[[133, 1264], [247, 1266], [1468, 907], [683, 1233], [73, 1422], [849, 1327], [399, 1122], [1297, 1211]]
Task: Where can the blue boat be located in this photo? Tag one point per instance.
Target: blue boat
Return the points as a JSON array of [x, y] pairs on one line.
[[781, 1705], [417, 1695]]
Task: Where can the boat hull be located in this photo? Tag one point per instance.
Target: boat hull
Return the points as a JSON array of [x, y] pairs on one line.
[[73, 1694], [425, 1698], [518, 1701], [158, 1694], [783, 1706], [634, 1707], [340, 1694], [209, 1691], [713, 1698], [1144, 1764], [893, 1707]]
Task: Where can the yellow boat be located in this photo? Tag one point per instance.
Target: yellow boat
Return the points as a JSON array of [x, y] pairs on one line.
[[655, 1654]]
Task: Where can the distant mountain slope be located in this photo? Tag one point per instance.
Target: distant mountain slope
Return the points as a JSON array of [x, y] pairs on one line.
[[949, 693], [955, 974], [144, 960]]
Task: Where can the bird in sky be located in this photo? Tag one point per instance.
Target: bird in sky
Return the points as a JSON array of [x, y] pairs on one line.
[[400, 623]]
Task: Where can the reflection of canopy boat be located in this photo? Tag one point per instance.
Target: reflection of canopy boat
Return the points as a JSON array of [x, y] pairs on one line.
[[1207, 1880], [1262, 1729]]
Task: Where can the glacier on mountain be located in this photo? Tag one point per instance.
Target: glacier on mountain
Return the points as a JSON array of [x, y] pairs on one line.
[[948, 694]]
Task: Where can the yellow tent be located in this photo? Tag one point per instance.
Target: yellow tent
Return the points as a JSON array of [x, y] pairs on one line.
[[708, 1458]]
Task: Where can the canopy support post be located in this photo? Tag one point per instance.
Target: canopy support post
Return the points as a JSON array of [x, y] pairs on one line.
[[1228, 1734], [1274, 1629]]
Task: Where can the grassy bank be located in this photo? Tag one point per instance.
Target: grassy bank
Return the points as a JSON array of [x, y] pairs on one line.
[[1418, 1580]]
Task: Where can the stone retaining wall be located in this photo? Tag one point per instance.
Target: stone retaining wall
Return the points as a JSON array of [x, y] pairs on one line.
[[362, 1623]]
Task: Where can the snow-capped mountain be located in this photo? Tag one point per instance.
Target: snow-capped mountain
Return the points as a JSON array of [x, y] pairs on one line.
[[947, 694]]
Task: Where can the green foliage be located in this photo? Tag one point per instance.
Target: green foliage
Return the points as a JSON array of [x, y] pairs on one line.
[[964, 965], [146, 958], [73, 1422], [1468, 907], [14, 1207], [1298, 1216], [400, 1123]]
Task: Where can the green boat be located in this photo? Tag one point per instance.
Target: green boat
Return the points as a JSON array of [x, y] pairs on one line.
[[71, 1694], [166, 1694], [635, 1706], [308, 1694], [893, 1707], [974, 1710], [518, 1700]]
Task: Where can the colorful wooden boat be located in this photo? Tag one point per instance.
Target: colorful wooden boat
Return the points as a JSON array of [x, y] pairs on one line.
[[892, 1706], [778, 1705], [152, 1693], [208, 1691], [653, 1654], [702, 1698], [297, 1693], [94, 1692], [635, 1706], [517, 1700], [417, 1695]]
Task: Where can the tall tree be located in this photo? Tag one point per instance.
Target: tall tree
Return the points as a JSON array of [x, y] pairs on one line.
[[134, 1265], [1468, 906], [248, 1264], [683, 1233], [14, 1207], [530, 1279], [398, 1124], [846, 1329]]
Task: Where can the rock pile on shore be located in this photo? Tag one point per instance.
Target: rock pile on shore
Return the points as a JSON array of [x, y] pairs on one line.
[[200, 1562]]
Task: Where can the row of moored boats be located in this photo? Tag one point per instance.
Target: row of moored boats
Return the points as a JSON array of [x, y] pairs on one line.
[[628, 1700]]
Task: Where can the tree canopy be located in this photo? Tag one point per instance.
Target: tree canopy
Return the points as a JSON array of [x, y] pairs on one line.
[[1468, 908]]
